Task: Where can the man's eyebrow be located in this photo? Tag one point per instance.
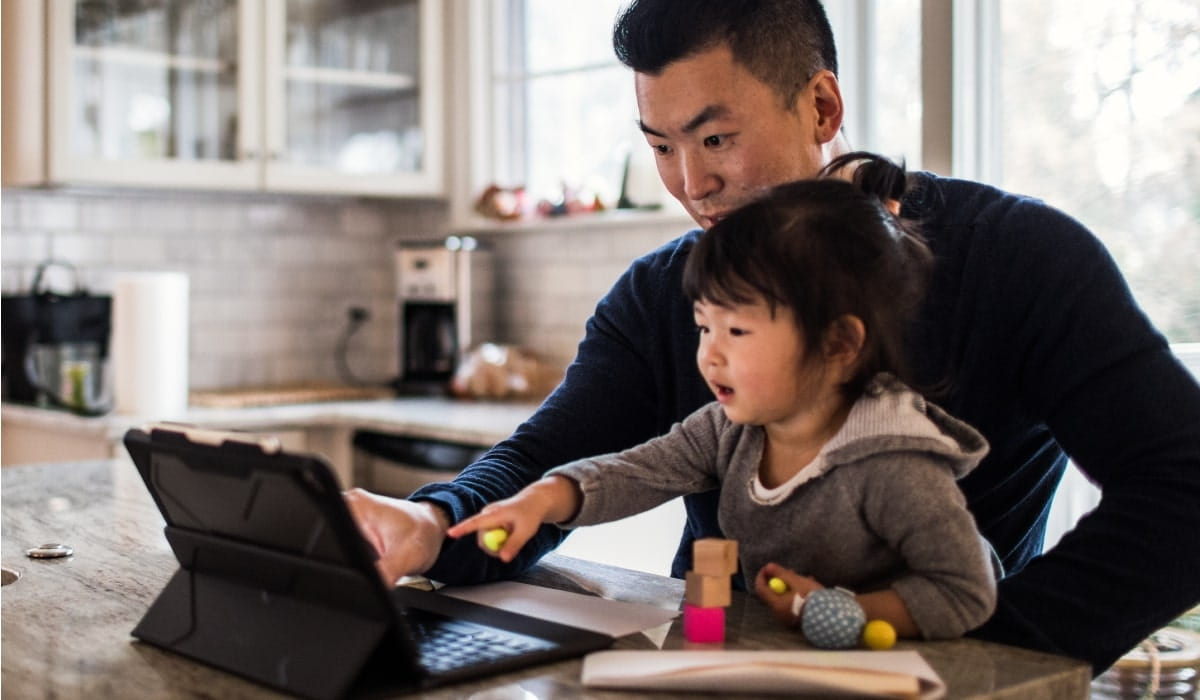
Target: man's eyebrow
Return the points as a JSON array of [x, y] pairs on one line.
[[706, 115]]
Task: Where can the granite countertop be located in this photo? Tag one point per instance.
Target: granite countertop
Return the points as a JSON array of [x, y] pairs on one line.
[[65, 623], [474, 422]]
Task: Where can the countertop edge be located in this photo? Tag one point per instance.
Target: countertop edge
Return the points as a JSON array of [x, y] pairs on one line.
[[474, 422]]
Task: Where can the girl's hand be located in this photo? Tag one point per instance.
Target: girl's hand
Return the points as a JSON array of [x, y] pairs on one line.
[[781, 604], [521, 516]]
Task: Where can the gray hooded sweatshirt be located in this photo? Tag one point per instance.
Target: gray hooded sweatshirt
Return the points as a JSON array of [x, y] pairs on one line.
[[877, 508]]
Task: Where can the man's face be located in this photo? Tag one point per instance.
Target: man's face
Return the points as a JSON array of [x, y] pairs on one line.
[[722, 137]]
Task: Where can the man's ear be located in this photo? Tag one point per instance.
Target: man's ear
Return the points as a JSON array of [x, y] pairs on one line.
[[844, 342], [825, 96]]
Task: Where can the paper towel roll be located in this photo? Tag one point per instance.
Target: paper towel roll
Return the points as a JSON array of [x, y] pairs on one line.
[[150, 344]]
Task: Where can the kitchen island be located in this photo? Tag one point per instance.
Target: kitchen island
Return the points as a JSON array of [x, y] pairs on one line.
[[65, 623]]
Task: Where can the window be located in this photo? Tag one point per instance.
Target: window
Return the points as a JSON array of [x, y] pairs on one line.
[[1100, 116], [1097, 112], [563, 108], [879, 68]]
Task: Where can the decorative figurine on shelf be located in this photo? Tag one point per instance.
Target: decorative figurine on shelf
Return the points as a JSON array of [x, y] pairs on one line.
[[500, 203], [569, 203]]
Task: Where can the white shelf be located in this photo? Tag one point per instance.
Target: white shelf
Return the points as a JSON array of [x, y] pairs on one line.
[[612, 218], [351, 78], [151, 59]]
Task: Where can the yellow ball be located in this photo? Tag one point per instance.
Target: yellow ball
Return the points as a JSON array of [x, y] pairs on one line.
[[879, 635], [495, 539], [777, 584]]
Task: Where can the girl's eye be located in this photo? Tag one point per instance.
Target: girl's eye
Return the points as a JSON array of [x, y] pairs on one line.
[[737, 331], [701, 329]]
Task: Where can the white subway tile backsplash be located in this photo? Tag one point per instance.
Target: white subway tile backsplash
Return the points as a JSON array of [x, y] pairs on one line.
[[18, 249], [362, 220], [266, 216], [242, 249], [162, 216], [218, 218], [272, 277], [81, 249], [140, 250], [9, 213], [46, 212], [105, 214]]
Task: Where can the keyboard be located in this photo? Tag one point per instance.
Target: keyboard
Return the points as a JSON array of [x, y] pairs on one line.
[[446, 644]]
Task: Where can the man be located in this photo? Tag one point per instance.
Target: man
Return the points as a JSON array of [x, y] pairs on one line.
[[1028, 326]]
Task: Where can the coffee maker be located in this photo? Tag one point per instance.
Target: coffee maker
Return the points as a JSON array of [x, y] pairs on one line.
[[445, 294]]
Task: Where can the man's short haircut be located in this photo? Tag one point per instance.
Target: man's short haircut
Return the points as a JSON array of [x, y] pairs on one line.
[[781, 42]]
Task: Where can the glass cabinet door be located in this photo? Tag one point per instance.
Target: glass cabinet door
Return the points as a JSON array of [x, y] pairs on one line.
[[150, 83], [155, 79], [350, 95], [326, 96]]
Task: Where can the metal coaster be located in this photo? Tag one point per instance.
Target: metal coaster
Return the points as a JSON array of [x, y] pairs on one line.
[[49, 551]]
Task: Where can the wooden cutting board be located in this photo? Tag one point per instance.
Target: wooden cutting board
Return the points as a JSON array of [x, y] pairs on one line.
[[248, 397]]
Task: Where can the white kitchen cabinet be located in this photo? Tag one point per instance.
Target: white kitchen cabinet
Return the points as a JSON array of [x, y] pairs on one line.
[[321, 96]]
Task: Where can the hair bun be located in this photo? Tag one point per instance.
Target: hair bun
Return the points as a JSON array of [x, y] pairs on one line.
[[874, 174]]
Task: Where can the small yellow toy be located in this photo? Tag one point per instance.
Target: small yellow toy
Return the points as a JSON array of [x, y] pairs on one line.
[[879, 635], [777, 584], [495, 539]]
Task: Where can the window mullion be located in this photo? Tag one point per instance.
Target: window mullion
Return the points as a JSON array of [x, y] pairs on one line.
[[852, 21], [975, 88], [937, 77]]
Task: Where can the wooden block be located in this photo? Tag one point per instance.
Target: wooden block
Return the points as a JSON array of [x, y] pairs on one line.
[[703, 625], [714, 557], [707, 591]]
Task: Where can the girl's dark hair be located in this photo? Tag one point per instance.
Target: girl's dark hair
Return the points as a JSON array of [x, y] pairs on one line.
[[781, 42], [823, 248]]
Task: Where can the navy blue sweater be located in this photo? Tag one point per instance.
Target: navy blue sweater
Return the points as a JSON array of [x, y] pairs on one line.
[[1033, 335]]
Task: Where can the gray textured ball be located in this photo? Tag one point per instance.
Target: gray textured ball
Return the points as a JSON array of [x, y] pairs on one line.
[[832, 619]]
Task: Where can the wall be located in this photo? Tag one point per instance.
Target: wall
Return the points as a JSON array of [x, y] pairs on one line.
[[272, 276], [549, 278]]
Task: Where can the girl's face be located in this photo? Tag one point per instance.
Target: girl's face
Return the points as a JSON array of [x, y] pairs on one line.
[[756, 364]]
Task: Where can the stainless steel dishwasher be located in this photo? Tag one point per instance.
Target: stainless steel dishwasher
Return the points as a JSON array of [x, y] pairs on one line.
[[397, 465]]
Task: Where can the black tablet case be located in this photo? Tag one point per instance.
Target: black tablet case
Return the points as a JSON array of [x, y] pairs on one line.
[[273, 584]]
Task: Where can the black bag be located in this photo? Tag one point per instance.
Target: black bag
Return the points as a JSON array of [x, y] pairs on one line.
[[48, 324]]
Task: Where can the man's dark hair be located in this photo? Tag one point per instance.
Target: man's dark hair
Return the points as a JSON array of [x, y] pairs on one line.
[[823, 248], [781, 42]]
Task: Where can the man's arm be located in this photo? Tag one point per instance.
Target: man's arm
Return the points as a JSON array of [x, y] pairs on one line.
[[1102, 379], [611, 398]]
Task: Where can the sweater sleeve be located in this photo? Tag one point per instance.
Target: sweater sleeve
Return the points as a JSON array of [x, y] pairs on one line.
[[1088, 365], [605, 403], [913, 503], [618, 485]]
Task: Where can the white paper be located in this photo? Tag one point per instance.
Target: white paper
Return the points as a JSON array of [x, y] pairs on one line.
[[150, 344], [612, 617], [784, 672]]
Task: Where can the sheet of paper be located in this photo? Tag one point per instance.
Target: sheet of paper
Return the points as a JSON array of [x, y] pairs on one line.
[[817, 673], [612, 617]]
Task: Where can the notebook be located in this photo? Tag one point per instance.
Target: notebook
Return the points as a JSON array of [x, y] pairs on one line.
[[276, 584]]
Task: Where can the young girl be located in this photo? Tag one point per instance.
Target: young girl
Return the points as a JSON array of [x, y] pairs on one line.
[[832, 472]]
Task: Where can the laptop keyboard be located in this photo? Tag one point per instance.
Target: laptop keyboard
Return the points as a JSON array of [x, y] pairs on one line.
[[447, 644]]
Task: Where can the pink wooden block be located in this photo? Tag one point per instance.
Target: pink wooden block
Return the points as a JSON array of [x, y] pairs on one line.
[[703, 624]]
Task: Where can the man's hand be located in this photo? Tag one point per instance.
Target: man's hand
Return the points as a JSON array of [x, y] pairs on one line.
[[407, 535]]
